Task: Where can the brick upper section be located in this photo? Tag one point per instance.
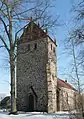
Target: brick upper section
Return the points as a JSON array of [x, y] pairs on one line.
[[34, 32]]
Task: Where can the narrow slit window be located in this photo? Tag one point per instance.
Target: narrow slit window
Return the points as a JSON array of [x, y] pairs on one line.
[[35, 46], [51, 46], [28, 47], [54, 49], [53, 77]]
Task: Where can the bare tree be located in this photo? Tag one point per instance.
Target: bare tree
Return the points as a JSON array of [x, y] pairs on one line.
[[14, 17], [77, 34], [75, 44], [76, 74]]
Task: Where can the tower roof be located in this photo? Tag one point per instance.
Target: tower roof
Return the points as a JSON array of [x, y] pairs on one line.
[[33, 32]]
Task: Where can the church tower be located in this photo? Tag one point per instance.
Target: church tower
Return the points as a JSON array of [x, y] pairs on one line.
[[36, 71]]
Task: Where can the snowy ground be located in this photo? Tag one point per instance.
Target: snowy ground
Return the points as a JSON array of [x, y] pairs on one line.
[[37, 115]]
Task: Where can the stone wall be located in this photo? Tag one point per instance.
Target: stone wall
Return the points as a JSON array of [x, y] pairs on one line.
[[52, 77], [31, 71], [67, 99], [36, 75]]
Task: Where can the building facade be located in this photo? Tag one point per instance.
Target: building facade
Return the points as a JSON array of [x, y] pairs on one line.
[[36, 71], [67, 96]]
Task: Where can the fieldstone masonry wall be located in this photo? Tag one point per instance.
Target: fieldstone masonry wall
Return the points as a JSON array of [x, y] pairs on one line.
[[36, 76], [51, 77]]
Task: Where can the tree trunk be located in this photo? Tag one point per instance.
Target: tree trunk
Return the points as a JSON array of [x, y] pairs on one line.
[[12, 74], [12, 66]]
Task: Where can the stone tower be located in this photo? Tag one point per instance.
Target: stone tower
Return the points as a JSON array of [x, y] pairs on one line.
[[36, 71]]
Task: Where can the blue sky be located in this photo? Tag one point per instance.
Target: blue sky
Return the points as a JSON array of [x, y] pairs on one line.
[[63, 8]]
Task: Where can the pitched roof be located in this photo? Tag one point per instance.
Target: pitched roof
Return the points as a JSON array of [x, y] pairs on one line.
[[3, 102], [64, 84], [33, 32]]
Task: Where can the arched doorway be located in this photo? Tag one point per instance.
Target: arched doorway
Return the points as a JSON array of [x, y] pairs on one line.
[[31, 103]]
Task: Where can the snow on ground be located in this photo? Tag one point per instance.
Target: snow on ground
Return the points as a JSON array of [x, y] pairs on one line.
[[36, 115]]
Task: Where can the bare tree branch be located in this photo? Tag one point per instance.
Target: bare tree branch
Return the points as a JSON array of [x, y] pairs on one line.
[[3, 41], [5, 27]]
